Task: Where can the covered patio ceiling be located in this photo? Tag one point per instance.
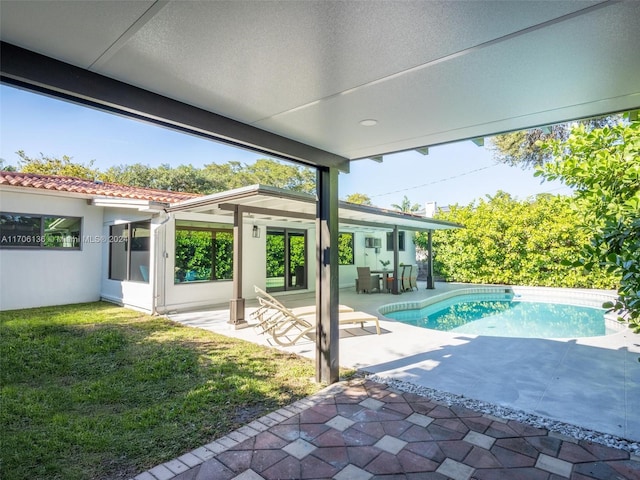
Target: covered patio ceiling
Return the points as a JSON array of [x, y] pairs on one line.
[[325, 82], [271, 206], [297, 79]]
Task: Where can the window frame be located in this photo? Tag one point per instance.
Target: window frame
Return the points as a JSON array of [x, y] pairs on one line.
[[401, 241], [129, 247], [37, 241], [287, 234], [353, 248], [213, 229]]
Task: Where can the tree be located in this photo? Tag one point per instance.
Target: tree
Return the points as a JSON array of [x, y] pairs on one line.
[[135, 175], [359, 199], [56, 166], [183, 178], [282, 175], [406, 206], [603, 166], [523, 148], [4, 166], [225, 176], [213, 177], [507, 241]]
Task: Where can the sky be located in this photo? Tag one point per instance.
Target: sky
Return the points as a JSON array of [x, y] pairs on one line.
[[451, 174]]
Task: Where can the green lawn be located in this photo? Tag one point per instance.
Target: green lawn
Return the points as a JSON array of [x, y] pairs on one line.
[[95, 391]]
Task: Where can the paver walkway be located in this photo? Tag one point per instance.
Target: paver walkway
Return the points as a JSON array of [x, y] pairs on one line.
[[359, 430]]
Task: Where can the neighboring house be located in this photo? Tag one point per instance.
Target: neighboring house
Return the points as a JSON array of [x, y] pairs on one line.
[[66, 240]]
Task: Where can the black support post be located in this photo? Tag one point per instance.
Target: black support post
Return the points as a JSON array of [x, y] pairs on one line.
[[430, 284], [328, 335], [395, 286], [236, 305]]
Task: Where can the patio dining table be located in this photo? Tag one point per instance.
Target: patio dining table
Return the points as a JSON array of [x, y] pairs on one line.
[[385, 278]]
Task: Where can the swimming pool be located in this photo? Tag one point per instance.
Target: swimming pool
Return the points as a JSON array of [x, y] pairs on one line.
[[506, 314]]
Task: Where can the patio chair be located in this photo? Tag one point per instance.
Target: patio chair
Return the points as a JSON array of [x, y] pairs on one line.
[[367, 282], [413, 278], [389, 285], [408, 278], [403, 280]]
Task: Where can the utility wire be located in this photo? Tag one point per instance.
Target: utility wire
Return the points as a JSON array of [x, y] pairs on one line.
[[435, 181]]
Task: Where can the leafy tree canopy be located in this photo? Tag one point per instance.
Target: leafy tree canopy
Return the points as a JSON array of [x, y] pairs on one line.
[[524, 148], [507, 241], [5, 166], [603, 166], [56, 166], [359, 199], [183, 178]]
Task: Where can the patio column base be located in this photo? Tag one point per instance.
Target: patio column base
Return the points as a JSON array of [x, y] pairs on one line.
[[236, 313]]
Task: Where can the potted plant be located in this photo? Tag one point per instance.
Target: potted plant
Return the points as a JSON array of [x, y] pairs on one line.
[[385, 264]]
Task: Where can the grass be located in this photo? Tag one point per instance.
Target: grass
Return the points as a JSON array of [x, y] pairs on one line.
[[95, 391]]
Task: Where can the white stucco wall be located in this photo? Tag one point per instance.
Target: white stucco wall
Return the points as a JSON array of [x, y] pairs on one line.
[[31, 278], [367, 257], [41, 277]]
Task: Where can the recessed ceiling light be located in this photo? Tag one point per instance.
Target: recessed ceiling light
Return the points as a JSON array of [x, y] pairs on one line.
[[369, 122]]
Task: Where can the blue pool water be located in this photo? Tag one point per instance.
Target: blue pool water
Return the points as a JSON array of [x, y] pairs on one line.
[[502, 315]]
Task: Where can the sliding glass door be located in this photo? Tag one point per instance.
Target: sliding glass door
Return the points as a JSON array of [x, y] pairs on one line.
[[286, 259]]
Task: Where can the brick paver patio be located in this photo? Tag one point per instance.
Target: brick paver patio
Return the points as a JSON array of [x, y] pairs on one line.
[[360, 430]]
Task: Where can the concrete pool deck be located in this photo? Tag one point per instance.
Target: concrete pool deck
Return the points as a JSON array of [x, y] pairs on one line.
[[593, 383]]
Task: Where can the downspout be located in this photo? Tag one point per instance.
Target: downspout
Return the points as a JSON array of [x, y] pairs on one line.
[[156, 277]]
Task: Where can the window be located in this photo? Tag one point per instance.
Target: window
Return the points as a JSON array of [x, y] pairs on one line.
[[129, 251], [40, 231], [286, 259], [400, 241], [345, 249], [204, 252]]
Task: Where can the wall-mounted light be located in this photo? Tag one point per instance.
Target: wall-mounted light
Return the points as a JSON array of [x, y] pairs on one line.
[[255, 231], [479, 141]]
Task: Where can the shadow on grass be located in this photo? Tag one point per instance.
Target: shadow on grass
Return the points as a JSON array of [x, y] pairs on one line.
[[97, 391]]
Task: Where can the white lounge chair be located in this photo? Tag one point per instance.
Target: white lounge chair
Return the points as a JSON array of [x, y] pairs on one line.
[[286, 328], [306, 310]]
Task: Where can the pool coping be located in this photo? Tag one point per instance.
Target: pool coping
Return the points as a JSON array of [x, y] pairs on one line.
[[587, 298]]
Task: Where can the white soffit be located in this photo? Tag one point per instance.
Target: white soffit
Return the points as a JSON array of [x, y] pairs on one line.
[[277, 206], [429, 72]]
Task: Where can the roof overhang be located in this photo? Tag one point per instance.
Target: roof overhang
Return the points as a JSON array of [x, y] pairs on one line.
[[129, 203], [277, 207], [31, 71]]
